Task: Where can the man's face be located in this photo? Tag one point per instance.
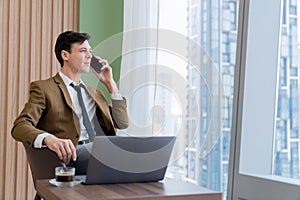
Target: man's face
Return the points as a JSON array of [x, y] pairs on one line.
[[80, 57]]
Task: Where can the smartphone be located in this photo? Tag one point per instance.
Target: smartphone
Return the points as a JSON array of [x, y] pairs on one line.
[[95, 64]]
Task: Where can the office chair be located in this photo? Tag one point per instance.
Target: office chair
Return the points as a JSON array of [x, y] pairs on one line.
[[42, 164]]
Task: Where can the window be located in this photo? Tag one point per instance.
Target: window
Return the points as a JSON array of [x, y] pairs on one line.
[[287, 155], [193, 56], [262, 113], [211, 50]]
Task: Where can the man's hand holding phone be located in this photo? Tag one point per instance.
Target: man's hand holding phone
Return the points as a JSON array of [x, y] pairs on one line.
[[103, 71]]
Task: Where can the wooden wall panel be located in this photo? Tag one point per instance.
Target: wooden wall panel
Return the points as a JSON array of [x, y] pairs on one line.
[[28, 30]]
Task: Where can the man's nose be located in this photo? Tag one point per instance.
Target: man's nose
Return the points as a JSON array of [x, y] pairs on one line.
[[89, 54]]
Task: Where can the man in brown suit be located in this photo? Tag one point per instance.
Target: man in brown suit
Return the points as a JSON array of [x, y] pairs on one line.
[[52, 116]]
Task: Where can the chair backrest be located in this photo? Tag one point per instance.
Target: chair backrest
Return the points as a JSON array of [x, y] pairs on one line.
[[42, 162]]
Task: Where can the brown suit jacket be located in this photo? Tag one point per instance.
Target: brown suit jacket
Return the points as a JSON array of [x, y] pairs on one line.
[[50, 109]]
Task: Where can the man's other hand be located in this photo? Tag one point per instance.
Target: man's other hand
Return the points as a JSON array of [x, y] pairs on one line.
[[64, 148]]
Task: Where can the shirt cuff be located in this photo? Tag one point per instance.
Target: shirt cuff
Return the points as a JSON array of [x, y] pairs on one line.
[[38, 142], [116, 96]]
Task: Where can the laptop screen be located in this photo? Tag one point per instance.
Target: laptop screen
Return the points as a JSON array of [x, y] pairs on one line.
[[116, 159]]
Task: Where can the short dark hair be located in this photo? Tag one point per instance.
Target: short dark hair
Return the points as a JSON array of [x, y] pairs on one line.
[[65, 40]]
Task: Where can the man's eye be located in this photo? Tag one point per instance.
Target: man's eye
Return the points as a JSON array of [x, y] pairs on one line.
[[85, 51]]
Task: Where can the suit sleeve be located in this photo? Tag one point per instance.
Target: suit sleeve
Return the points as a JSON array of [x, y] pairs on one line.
[[24, 128], [119, 113]]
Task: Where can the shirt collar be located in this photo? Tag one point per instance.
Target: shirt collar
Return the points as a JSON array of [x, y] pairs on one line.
[[67, 80]]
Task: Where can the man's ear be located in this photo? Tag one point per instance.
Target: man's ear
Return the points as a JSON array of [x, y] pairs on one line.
[[65, 55]]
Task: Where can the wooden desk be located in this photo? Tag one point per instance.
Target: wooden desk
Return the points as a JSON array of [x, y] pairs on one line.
[[167, 189]]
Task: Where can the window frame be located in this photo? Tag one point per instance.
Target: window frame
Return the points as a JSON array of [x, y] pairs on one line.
[[254, 109]]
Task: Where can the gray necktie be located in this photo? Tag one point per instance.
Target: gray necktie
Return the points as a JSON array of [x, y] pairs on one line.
[[86, 120]]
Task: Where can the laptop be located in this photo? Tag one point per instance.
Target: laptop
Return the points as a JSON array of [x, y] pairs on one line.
[[120, 159]]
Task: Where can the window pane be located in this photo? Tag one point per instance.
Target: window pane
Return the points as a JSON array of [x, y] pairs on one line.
[[212, 26], [286, 152], [211, 52]]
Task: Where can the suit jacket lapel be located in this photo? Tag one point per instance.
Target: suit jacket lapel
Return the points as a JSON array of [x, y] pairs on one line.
[[64, 90]]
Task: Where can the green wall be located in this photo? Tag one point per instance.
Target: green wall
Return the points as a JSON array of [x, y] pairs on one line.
[[102, 19]]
